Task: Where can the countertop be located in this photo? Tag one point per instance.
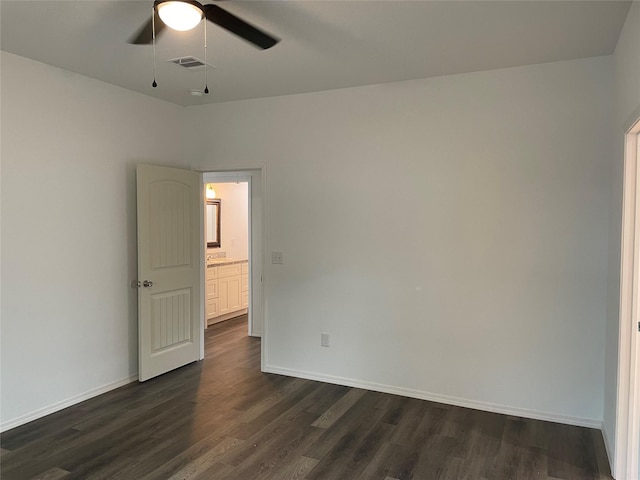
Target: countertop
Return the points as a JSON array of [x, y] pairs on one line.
[[216, 262]]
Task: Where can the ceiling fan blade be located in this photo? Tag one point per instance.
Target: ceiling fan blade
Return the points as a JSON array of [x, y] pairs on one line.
[[230, 22], [145, 34]]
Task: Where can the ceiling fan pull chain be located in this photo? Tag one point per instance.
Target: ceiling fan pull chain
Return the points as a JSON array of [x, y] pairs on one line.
[[206, 77], [153, 29]]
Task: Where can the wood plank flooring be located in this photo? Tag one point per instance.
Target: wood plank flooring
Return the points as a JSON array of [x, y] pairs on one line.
[[223, 419]]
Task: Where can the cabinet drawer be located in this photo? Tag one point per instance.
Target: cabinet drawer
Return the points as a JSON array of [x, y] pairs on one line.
[[244, 285], [245, 267], [212, 272], [228, 270]]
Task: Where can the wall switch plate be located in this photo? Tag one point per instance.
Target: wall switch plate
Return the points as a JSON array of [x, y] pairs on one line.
[[276, 258], [324, 339]]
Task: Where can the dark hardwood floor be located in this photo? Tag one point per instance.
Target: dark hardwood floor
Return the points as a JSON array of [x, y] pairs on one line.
[[223, 419]]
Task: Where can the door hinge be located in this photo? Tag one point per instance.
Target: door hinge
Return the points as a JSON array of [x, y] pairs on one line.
[[639, 326]]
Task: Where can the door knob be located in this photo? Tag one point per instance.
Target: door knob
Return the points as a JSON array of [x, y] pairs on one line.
[[147, 283]]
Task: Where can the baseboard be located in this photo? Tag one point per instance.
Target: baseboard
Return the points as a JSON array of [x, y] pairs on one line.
[[609, 449], [348, 382], [55, 407], [434, 397]]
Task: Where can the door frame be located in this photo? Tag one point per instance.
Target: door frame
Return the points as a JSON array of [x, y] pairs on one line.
[[232, 177], [628, 394], [256, 177]]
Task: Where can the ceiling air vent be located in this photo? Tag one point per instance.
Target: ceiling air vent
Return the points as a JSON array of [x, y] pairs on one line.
[[190, 63]]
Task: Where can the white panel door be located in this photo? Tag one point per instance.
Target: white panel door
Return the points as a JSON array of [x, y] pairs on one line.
[[168, 268]]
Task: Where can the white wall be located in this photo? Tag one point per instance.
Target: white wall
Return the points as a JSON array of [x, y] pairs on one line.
[[449, 234], [69, 149], [626, 101], [495, 186], [234, 222]]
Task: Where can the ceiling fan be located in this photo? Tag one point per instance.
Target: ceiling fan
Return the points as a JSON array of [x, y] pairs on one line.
[[186, 14]]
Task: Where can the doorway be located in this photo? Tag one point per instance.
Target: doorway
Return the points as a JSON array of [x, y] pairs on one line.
[[227, 251], [241, 241], [628, 404]]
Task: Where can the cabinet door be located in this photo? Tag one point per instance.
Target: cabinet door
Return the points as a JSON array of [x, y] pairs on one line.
[[212, 298], [244, 290], [212, 308], [223, 296], [245, 299], [212, 289], [229, 294], [234, 293]]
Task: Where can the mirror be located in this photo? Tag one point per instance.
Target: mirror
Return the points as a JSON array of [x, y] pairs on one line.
[[213, 223]]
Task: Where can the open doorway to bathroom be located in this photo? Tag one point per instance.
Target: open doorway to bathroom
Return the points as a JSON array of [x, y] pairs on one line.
[[227, 251], [233, 256]]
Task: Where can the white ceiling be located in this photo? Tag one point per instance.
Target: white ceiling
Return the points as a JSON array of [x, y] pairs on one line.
[[325, 44]]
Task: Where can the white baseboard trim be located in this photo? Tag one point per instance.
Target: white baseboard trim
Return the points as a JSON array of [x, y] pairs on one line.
[[609, 449], [434, 397], [42, 412]]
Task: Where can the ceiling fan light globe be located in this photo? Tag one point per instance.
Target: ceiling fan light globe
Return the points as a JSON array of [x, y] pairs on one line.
[[181, 16]]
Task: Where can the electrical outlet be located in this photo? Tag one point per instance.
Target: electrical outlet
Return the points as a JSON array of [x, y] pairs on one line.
[[324, 339], [276, 258]]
